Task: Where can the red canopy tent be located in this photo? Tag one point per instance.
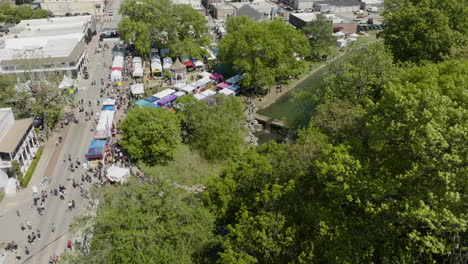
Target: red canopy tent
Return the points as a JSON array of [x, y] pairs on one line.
[[189, 64]]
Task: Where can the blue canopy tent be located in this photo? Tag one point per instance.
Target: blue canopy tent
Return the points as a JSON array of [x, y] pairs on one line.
[[97, 144], [233, 87], [152, 99], [142, 102], [235, 79], [153, 105], [94, 153], [108, 108]]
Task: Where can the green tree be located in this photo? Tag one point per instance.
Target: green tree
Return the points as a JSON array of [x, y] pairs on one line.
[[150, 134], [9, 14], [47, 102], [160, 23], [17, 169], [319, 32], [145, 223], [265, 51], [216, 130], [425, 30]]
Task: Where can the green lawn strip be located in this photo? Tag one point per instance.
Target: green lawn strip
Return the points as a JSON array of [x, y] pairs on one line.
[[187, 168], [30, 172]]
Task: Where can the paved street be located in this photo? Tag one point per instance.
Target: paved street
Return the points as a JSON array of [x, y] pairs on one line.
[[52, 172]]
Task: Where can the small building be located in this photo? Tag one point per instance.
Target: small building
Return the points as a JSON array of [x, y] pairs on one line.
[[222, 10], [337, 6], [257, 10], [178, 73], [195, 4], [81, 7], [18, 142], [301, 4]]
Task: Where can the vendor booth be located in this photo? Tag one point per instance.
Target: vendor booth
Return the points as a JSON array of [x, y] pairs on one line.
[[137, 89], [227, 91], [156, 66], [167, 100], [164, 93], [117, 174], [235, 79]]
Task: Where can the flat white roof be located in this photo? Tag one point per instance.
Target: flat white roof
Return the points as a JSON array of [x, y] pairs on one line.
[[49, 26], [39, 47]]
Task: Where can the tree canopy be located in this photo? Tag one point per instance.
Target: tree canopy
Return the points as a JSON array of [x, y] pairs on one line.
[[425, 30], [150, 134], [9, 14], [319, 32], [160, 23], [145, 223], [217, 129], [266, 51], [393, 194]]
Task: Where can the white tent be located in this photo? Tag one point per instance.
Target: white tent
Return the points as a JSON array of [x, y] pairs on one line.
[[227, 91], [137, 70], [67, 82], [167, 63], [179, 93], [211, 54], [137, 60], [116, 76], [164, 93], [341, 43], [208, 92], [137, 88], [204, 75], [178, 86], [339, 34], [352, 39], [354, 35], [156, 66], [198, 63], [187, 88], [199, 96], [109, 101], [117, 174]]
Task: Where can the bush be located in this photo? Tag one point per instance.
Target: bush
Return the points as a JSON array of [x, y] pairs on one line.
[[29, 173]]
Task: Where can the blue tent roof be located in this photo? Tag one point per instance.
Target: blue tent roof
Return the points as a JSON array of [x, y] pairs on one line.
[[153, 105], [235, 79], [94, 152], [233, 87], [142, 102], [97, 144], [151, 99], [108, 108]]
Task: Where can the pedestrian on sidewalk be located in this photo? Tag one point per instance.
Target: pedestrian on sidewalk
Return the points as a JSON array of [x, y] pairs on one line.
[[53, 227], [29, 224], [22, 226], [69, 245], [73, 204], [26, 250], [38, 233], [70, 205], [18, 213]]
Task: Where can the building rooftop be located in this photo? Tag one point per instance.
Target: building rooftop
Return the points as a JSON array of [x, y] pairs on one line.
[[339, 2], [38, 47], [11, 140], [222, 6]]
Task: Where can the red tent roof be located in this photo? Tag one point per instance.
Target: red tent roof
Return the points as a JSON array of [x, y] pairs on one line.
[[189, 64]]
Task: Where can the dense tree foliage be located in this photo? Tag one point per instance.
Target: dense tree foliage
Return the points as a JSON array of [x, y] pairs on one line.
[[319, 32], [9, 14], [215, 129], [425, 30], [150, 134], [160, 23], [145, 223], [388, 189], [265, 51]]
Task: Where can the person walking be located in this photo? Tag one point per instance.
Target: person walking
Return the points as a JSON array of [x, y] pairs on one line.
[[38, 233], [53, 227], [29, 224], [70, 205], [69, 245], [73, 204], [18, 213]]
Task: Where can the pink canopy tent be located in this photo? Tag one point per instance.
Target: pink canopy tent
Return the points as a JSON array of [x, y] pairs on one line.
[[216, 76], [222, 85]]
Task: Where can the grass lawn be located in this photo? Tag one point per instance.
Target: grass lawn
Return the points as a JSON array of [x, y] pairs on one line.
[[2, 195], [188, 168]]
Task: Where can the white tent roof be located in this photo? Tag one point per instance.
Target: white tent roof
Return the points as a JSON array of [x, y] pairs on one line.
[[137, 70], [208, 92], [199, 96], [116, 76], [109, 101], [164, 93], [204, 75], [354, 35], [167, 63], [137, 88], [137, 60], [198, 63], [339, 34], [179, 93], [227, 91], [67, 82], [178, 86], [352, 39], [187, 88], [117, 174]]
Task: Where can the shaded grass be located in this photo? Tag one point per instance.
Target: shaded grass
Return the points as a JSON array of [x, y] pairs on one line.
[[32, 167], [187, 168]]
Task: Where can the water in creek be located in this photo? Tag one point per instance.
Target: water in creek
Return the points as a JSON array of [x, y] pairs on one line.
[[284, 108]]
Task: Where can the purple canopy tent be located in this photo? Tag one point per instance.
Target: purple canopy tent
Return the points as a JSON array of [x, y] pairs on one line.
[[222, 85], [167, 100]]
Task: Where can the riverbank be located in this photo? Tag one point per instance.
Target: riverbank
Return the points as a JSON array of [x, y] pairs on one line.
[[272, 97]]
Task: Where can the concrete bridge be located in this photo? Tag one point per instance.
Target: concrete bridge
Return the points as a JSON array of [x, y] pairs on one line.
[[268, 121]]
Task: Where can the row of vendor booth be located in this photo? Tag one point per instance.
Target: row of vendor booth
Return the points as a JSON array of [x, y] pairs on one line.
[[117, 67], [102, 133], [197, 88]]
